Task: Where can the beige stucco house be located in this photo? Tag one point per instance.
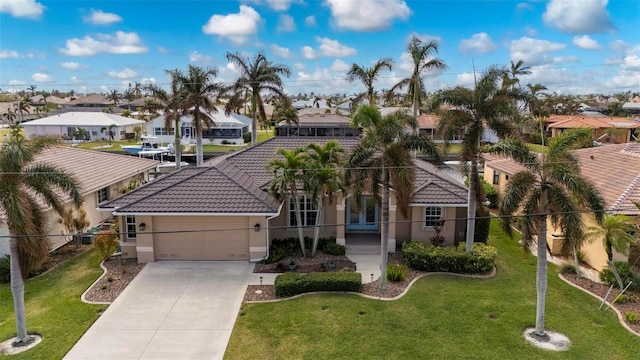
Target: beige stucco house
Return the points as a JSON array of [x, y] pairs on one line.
[[102, 176], [615, 172], [605, 129], [223, 211]]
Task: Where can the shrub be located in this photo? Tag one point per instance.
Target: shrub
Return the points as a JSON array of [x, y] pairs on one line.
[[289, 284], [225, 142], [397, 272], [624, 270], [483, 223], [247, 137], [449, 259], [567, 269], [5, 270], [106, 242], [622, 298], [332, 248], [129, 136], [631, 317]]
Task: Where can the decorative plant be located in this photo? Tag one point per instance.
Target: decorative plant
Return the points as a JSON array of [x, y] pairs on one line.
[[438, 239]]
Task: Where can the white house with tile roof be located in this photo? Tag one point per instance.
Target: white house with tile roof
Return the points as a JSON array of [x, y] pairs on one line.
[[224, 212], [96, 123]]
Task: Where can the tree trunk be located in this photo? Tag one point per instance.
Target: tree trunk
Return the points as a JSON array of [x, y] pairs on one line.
[[254, 120], [576, 261], [199, 149], [296, 207], [416, 88], [612, 266], [17, 291], [178, 146], [471, 199], [384, 229], [319, 221], [541, 268]]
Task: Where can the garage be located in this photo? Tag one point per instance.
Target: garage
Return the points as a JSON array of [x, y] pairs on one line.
[[201, 238]]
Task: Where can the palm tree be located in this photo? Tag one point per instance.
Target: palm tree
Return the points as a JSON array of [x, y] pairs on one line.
[[616, 233], [369, 75], [23, 184], [517, 69], [288, 177], [110, 131], [322, 180], [384, 157], [80, 134], [473, 109], [258, 76], [32, 89], [284, 111], [114, 96], [10, 115], [197, 86], [421, 55], [22, 106], [550, 188]]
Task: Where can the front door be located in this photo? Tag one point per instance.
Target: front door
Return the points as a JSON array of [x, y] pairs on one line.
[[363, 218]]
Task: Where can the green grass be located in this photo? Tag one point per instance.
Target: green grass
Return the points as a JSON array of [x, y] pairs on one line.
[[536, 147], [441, 317], [4, 132], [54, 308]]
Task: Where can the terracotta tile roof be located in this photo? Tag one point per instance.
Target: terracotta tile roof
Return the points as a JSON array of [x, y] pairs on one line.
[[90, 99], [577, 121], [427, 121], [502, 164]]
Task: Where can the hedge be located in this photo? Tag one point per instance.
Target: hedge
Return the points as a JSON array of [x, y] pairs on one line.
[[289, 284], [431, 258]]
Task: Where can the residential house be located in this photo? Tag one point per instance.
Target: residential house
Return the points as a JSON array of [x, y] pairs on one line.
[[428, 126], [91, 100], [224, 212], [226, 129], [102, 177], [615, 172], [318, 125], [96, 124], [605, 129]]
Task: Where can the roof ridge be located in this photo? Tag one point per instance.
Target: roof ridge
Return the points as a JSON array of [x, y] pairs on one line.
[[243, 187], [448, 179], [628, 149], [626, 192]]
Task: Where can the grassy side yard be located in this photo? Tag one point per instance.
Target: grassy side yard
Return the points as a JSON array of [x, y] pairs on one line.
[[54, 308], [441, 317], [536, 147]]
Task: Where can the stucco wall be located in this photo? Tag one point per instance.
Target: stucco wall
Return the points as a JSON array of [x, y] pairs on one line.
[[280, 230], [421, 233]]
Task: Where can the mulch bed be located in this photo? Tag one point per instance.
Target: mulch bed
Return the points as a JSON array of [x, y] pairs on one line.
[[120, 272], [601, 290], [59, 256]]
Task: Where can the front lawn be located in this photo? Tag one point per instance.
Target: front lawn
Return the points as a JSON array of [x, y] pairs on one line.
[[54, 308], [441, 317]]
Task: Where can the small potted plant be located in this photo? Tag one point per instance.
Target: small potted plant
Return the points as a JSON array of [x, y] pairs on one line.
[[331, 265], [292, 265]]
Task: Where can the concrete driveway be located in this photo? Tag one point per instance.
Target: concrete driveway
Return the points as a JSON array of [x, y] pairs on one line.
[[172, 310]]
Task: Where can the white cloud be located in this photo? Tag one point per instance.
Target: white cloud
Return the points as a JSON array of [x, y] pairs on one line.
[[286, 23], [22, 8], [195, 56], [465, 79], [299, 66], [578, 16], [281, 5], [236, 27], [148, 81], [619, 45], [120, 43], [310, 21], [533, 51], [524, 6], [308, 52], [17, 82], [4, 54], [99, 17], [43, 78], [585, 42], [479, 44], [125, 74], [321, 80], [531, 31], [162, 50], [281, 51], [367, 15], [76, 80], [71, 65], [425, 37], [339, 66]]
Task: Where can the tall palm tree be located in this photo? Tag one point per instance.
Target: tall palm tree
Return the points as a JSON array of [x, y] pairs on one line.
[[288, 177], [423, 60], [10, 115], [32, 89], [384, 157], [23, 183], [114, 97], [284, 111], [517, 69], [22, 106], [616, 233], [322, 179], [258, 76], [488, 104], [368, 75], [110, 131], [550, 188], [197, 101]]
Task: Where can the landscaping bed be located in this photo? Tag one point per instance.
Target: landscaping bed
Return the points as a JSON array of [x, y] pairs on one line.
[[120, 272]]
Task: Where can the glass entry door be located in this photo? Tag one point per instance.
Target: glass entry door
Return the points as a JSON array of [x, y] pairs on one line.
[[363, 218]]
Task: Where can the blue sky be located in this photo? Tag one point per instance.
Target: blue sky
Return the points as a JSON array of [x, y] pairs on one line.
[[573, 46]]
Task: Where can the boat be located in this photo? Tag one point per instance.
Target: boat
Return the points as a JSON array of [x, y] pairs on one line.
[[148, 145], [169, 166]]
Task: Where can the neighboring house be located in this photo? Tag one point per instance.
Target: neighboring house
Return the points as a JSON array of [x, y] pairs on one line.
[[102, 177], [224, 212], [318, 125], [632, 107], [65, 124], [605, 129], [227, 128], [615, 172], [428, 126], [91, 100]]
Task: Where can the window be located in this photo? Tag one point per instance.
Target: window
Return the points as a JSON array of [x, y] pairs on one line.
[[103, 195], [432, 214], [162, 131], [131, 227], [496, 177], [308, 211]]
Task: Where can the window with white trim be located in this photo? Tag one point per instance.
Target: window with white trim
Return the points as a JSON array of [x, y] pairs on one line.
[[163, 131], [308, 211], [103, 195], [432, 215], [130, 222], [496, 177]]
